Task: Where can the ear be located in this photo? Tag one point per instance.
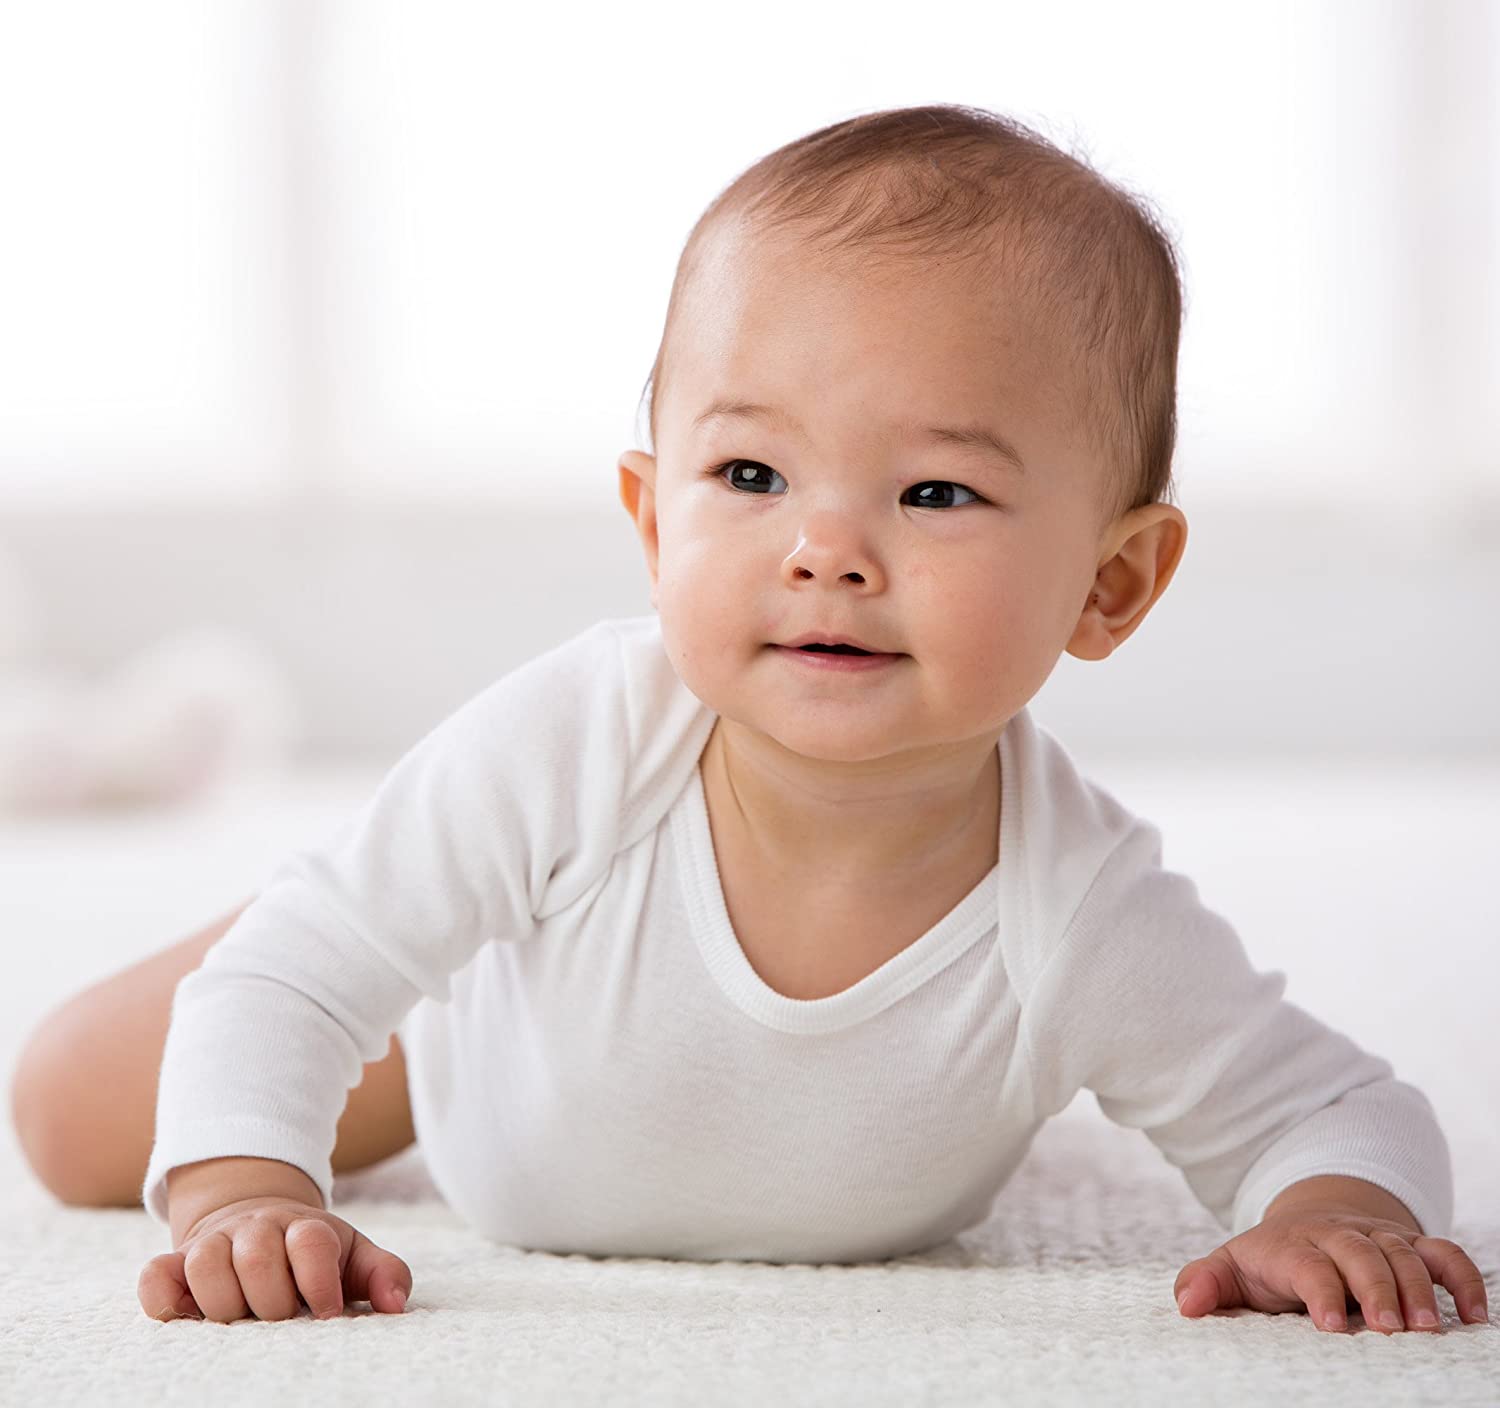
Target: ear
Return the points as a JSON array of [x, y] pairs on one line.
[[1140, 556], [638, 494]]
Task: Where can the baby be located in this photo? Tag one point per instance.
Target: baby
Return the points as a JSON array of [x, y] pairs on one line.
[[771, 925]]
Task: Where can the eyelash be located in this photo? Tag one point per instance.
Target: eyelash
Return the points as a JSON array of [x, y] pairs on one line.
[[717, 472]]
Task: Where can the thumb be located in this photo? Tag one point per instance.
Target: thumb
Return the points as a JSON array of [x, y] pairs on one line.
[[162, 1288], [376, 1275], [1210, 1283]]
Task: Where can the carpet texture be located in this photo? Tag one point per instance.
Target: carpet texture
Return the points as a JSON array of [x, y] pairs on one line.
[[1063, 1296]]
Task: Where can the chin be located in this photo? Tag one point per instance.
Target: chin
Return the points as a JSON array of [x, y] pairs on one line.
[[834, 741]]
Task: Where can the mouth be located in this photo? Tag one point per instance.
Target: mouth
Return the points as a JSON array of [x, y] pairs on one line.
[[833, 645], [822, 657]]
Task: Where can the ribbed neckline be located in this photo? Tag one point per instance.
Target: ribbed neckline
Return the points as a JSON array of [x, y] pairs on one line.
[[951, 936]]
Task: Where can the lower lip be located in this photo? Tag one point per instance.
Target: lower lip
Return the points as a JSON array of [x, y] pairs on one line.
[[828, 660]]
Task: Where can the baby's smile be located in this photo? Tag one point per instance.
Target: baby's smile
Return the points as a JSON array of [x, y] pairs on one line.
[[838, 659]]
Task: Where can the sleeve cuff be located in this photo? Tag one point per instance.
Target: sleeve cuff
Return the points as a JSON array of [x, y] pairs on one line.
[[256, 1139]]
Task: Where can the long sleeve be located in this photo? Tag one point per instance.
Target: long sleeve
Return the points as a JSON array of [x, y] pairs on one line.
[[510, 806], [1150, 1001]]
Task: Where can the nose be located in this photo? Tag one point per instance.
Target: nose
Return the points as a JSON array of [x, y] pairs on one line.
[[829, 550]]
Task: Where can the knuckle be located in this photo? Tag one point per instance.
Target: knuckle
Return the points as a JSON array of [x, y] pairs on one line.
[[311, 1230], [206, 1251], [1310, 1261], [255, 1257], [1310, 1258]]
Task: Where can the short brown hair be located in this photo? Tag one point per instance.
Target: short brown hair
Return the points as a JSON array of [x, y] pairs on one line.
[[949, 179]]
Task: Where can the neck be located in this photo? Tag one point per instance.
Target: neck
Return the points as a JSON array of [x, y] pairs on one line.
[[886, 823]]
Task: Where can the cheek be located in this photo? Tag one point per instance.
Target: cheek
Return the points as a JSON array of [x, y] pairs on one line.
[[696, 636], [968, 604], [704, 566], [700, 602]]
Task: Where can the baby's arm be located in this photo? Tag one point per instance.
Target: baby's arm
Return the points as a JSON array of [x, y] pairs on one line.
[[1326, 1167], [505, 805]]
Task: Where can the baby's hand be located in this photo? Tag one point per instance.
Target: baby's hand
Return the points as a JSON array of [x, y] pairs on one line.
[[1297, 1258], [254, 1257]]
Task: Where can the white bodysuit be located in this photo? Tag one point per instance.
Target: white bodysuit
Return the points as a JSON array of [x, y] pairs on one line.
[[530, 900]]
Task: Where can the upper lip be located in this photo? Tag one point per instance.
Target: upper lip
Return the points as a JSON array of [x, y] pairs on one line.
[[824, 638]]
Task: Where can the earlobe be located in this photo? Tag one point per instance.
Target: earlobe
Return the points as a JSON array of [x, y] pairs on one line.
[[1145, 549], [1092, 638]]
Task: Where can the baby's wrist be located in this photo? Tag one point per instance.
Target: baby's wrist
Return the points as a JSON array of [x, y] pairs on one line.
[[197, 1189], [1336, 1193]]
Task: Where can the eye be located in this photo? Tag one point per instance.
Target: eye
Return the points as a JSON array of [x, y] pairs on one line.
[[730, 472], [942, 484], [718, 471]]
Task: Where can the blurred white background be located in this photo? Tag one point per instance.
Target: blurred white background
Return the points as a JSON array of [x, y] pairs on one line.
[[323, 324], [326, 322]]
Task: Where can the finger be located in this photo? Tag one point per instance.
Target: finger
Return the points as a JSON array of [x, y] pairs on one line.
[[1449, 1265], [162, 1289], [265, 1274], [376, 1275], [1363, 1265], [1316, 1280], [314, 1249], [1418, 1303], [1210, 1283], [208, 1266]]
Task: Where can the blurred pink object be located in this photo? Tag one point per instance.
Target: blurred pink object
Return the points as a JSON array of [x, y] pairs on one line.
[[171, 722]]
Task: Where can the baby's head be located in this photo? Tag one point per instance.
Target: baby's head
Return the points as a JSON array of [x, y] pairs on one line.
[[917, 387]]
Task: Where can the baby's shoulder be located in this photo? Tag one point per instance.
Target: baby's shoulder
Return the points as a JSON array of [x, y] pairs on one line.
[[1068, 848], [577, 690], [609, 722]]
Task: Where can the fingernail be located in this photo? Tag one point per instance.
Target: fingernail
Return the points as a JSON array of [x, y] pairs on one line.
[[400, 1298], [1182, 1295], [1390, 1319], [1426, 1319], [1334, 1321], [1481, 1315]]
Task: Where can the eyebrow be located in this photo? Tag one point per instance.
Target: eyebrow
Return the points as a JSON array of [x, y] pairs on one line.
[[973, 436]]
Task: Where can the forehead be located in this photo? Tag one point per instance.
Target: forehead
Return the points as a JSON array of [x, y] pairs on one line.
[[896, 339]]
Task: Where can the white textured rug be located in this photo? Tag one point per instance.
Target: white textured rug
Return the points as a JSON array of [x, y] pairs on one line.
[[1371, 890]]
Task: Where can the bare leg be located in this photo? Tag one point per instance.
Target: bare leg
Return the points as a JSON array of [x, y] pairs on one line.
[[83, 1097]]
